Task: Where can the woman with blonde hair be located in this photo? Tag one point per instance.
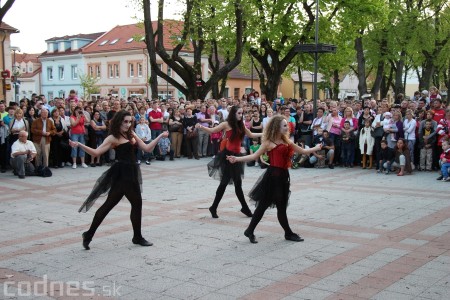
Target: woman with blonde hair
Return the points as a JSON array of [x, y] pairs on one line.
[[16, 125], [272, 188]]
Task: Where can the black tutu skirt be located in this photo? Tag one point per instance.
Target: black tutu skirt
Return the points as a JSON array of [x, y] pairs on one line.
[[121, 172], [271, 188], [220, 167]]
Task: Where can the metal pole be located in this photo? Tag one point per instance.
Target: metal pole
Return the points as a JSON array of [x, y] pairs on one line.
[[251, 57], [316, 58]]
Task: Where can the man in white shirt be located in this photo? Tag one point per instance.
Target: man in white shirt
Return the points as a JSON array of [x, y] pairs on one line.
[[22, 153]]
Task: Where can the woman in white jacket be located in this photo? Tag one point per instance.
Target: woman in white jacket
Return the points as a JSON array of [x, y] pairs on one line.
[[409, 128], [144, 133], [366, 143]]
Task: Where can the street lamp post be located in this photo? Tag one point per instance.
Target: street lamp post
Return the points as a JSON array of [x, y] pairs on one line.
[[316, 48], [15, 72]]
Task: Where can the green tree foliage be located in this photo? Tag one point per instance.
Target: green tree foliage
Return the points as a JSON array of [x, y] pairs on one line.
[[89, 85]]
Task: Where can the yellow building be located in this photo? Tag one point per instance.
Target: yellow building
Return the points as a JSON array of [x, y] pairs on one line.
[[6, 92], [289, 86]]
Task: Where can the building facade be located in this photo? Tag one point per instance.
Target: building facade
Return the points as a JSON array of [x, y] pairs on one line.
[[6, 90], [27, 70], [120, 62], [63, 63]]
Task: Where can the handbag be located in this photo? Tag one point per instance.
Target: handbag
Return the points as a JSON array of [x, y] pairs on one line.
[[175, 128], [191, 134]]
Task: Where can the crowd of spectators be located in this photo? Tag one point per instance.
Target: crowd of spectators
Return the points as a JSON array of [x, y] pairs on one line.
[[405, 136]]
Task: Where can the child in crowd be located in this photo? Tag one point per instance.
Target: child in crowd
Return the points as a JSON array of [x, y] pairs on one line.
[[253, 148], [387, 156], [216, 138], [348, 145], [366, 143], [426, 141], [248, 125], [143, 132], [387, 121], [164, 149], [445, 160]]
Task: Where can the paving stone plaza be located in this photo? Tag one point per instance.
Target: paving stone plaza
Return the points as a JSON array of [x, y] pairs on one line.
[[367, 236]]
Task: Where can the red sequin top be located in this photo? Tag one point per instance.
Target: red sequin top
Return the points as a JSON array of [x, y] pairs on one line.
[[232, 145], [281, 155]]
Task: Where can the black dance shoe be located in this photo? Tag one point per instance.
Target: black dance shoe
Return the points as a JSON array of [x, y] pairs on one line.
[[293, 237], [86, 240], [142, 242], [251, 237], [213, 213], [247, 212]]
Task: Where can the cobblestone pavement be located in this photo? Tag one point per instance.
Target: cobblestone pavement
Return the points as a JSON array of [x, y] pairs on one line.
[[367, 236]]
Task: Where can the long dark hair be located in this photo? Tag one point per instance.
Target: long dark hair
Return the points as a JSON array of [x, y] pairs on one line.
[[237, 126], [116, 122]]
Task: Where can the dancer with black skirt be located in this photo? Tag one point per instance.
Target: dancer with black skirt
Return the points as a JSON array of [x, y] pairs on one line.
[[123, 178], [272, 188], [221, 169]]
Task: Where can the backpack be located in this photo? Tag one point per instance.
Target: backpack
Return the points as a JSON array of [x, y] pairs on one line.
[[43, 171]]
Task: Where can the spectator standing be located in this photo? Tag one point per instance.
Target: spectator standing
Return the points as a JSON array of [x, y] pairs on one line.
[[42, 129]]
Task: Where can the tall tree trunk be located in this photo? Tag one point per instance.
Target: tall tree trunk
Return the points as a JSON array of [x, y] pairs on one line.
[[361, 66], [386, 83], [427, 73], [336, 82], [4, 9], [399, 65], [190, 26]]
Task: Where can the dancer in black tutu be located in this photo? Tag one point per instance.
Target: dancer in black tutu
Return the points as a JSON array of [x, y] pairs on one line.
[[219, 168], [123, 178], [272, 188]]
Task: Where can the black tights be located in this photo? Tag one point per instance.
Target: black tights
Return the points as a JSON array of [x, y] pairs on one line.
[[237, 180], [281, 214], [116, 193]]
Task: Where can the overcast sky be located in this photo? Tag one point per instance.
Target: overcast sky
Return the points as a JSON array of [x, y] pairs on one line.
[[39, 20]]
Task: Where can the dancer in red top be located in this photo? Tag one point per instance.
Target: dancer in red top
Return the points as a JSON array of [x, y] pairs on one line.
[[272, 188], [219, 168]]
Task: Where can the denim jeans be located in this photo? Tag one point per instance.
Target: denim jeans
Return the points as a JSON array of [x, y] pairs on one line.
[[444, 169], [80, 139]]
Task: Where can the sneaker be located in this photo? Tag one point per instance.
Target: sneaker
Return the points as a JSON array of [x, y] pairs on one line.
[[256, 164], [138, 162], [62, 165], [387, 172], [378, 171], [74, 166], [446, 179], [330, 166], [68, 164], [440, 177], [84, 165], [147, 162]]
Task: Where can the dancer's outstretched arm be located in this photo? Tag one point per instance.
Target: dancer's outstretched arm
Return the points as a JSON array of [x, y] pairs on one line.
[[220, 127], [301, 150], [105, 146], [264, 147], [150, 146]]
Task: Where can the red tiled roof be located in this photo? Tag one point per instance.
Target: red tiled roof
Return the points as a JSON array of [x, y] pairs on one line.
[[4, 26], [25, 57], [30, 75], [88, 36], [130, 37]]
